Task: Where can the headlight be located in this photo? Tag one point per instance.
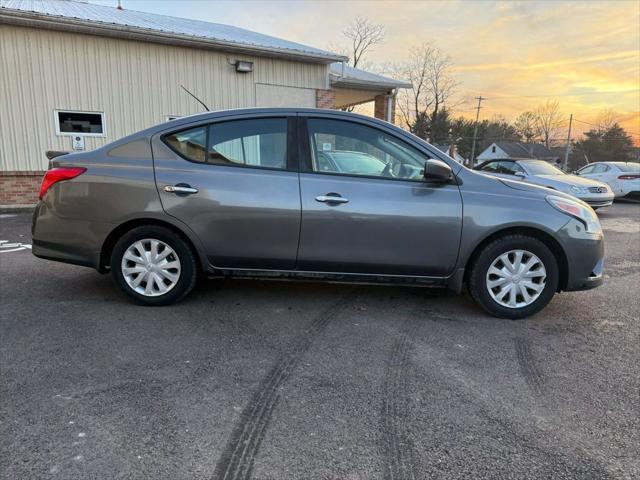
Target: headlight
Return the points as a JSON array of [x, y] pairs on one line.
[[577, 190], [579, 210]]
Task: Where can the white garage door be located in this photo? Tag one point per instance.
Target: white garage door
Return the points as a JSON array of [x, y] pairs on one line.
[[279, 96]]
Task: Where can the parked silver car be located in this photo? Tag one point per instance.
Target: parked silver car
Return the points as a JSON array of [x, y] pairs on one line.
[[249, 193], [539, 172]]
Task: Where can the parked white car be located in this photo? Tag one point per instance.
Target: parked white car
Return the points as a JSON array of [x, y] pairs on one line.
[[539, 172], [622, 177]]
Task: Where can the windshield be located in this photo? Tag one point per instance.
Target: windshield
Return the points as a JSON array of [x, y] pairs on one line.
[[628, 167], [358, 163], [540, 167]]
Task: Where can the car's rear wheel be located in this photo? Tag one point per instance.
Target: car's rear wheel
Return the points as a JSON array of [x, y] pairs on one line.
[[514, 277], [153, 265]]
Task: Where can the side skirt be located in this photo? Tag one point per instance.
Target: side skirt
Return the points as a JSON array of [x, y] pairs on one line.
[[331, 277]]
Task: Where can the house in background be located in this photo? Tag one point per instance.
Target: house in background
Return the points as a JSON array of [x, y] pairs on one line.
[[514, 150], [451, 150], [75, 75]]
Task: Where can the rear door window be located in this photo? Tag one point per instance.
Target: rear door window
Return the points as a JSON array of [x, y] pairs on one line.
[[251, 143], [191, 144], [255, 143]]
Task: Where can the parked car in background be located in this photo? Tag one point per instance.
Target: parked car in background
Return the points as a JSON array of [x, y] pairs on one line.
[[622, 177], [540, 172], [315, 194]]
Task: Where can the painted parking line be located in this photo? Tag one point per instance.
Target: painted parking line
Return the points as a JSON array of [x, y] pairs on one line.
[[7, 247]]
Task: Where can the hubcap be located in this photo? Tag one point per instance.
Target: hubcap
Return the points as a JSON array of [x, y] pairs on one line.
[[150, 267], [516, 279]]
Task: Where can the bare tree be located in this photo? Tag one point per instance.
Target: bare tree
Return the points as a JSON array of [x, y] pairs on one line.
[[606, 119], [548, 121], [527, 126], [432, 86], [362, 36]]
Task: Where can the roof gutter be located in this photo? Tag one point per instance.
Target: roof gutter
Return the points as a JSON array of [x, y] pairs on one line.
[[346, 82], [37, 20]]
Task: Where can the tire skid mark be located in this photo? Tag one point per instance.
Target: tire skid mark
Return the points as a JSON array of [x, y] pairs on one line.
[[528, 365], [237, 460], [397, 447]]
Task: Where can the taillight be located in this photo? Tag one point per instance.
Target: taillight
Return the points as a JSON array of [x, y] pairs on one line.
[[59, 174], [628, 177]]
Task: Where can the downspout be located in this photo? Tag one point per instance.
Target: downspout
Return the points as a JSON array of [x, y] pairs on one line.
[[391, 100]]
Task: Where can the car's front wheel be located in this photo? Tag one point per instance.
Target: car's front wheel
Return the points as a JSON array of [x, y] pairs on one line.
[[514, 277], [153, 265]]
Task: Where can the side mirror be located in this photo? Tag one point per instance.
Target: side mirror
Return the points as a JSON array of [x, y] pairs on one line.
[[520, 174], [437, 171]]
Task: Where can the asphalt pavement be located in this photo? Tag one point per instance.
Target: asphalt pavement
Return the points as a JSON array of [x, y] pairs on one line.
[[281, 380]]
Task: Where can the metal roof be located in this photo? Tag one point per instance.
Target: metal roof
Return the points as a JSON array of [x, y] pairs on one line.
[[344, 75], [114, 22]]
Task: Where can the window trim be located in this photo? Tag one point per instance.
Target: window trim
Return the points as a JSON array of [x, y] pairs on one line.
[[56, 123], [290, 157]]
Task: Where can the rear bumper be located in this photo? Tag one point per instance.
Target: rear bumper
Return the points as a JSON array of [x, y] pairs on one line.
[[66, 240]]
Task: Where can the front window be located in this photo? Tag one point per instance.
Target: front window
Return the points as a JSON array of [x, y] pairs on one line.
[[540, 167], [348, 148]]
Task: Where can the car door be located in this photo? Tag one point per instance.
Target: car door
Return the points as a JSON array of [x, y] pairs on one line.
[[234, 182], [374, 213]]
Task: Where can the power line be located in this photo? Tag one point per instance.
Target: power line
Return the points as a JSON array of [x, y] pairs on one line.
[[611, 92]]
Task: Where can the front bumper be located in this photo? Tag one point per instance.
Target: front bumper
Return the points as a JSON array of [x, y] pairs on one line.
[[598, 201], [585, 256]]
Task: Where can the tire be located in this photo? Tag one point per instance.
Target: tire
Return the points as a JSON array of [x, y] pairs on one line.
[[544, 274], [176, 272]]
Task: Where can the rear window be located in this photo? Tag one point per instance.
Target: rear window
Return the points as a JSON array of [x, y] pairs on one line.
[[629, 167]]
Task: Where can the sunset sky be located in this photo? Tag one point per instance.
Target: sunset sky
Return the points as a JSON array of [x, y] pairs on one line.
[[584, 54]]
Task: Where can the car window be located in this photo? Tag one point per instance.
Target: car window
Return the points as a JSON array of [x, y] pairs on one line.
[[347, 148], [509, 168], [628, 167], [600, 168], [191, 143], [493, 167], [586, 170], [254, 142], [540, 167]]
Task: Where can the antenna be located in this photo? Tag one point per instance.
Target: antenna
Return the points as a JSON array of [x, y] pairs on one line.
[[197, 99]]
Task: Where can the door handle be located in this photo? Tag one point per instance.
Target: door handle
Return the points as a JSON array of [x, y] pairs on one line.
[[180, 189], [331, 198]]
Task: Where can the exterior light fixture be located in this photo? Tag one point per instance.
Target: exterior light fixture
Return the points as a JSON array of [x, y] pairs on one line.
[[242, 66]]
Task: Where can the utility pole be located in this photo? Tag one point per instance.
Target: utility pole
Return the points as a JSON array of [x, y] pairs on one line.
[[475, 130], [566, 151]]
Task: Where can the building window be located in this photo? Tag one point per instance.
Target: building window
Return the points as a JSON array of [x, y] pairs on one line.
[[74, 123], [493, 149]]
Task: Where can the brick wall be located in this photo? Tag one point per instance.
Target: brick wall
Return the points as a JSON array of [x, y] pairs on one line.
[[325, 99], [381, 105], [19, 188]]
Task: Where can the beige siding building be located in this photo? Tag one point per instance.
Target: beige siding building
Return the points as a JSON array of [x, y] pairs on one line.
[[78, 76]]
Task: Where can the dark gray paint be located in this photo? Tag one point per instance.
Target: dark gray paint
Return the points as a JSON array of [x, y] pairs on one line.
[[246, 218]]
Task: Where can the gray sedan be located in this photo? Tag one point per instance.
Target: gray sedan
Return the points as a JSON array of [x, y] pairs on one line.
[[539, 172], [250, 193]]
